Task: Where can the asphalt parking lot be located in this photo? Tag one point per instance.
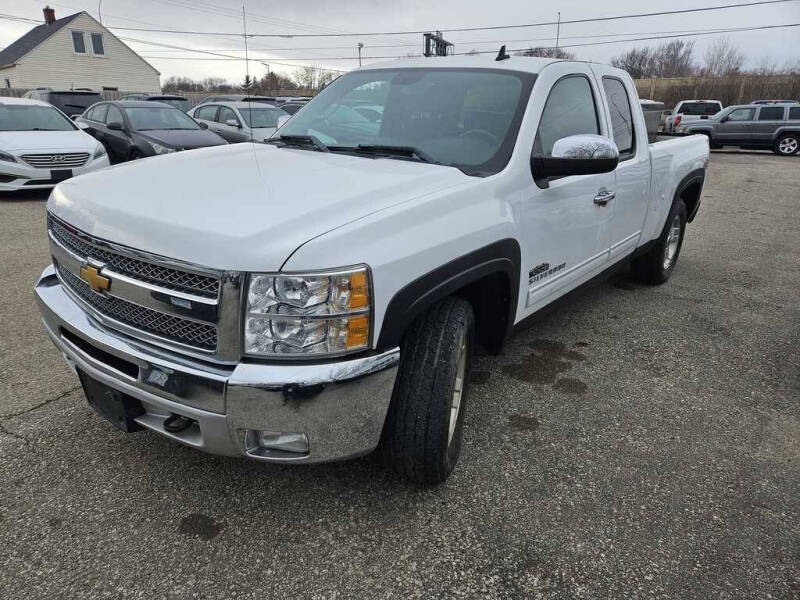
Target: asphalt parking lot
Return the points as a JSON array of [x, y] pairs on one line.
[[638, 442]]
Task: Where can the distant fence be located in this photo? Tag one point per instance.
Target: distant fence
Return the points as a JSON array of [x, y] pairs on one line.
[[193, 97], [739, 89]]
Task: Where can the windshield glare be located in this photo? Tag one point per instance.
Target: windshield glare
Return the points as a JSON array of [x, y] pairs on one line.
[[158, 117], [256, 117], [33, 118], [467, 118]]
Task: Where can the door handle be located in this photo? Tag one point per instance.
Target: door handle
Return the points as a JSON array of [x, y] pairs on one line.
[[603, 197]]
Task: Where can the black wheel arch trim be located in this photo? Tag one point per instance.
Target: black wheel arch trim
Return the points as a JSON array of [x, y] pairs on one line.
[[503, 257], [696, 176]]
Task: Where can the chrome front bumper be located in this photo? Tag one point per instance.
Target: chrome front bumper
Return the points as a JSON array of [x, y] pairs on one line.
[[339, 406]]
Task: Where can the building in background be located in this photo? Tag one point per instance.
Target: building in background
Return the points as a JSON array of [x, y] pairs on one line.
[[74, 52]]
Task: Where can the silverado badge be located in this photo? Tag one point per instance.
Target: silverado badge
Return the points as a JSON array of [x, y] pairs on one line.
[[97, 282]]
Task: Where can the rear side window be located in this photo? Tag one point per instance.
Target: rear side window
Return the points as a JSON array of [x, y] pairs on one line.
[[206, 112], [771, 113], [98, 113], [114, 115], [225, 114], [621, 115], [794, 113], [569, 110]]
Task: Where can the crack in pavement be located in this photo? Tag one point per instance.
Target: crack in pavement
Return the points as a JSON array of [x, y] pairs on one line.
[[13, 434], [40, 405]]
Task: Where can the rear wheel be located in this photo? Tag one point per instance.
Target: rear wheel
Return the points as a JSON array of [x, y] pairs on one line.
[[787, 144], [657, 265], [423, 430]]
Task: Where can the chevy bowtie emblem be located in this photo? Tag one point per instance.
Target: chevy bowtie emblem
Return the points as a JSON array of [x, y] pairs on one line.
[[92, 276]]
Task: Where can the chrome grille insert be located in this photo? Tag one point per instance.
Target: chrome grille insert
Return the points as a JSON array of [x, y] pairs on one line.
[[167, 277], [183, 331], [56, 160]]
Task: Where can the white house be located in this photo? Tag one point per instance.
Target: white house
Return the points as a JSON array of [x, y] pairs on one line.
[[75, 52]]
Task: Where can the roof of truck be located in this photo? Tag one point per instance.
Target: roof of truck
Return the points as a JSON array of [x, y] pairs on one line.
[[530, 64]]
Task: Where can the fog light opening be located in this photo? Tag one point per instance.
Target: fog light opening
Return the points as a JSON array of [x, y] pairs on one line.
[[277, 445]]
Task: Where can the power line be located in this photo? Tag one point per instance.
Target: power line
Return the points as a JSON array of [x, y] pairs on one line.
[[457, 29], [661, 37]]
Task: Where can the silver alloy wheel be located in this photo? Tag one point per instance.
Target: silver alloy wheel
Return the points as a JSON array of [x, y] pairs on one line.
[[673, 239], [788, 145], [458, 390]]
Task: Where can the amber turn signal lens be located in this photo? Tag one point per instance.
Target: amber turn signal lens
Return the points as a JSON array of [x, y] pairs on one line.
[[359, 290], [357, 331]]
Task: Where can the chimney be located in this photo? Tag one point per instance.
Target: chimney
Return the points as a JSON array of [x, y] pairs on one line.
[[49, 15]]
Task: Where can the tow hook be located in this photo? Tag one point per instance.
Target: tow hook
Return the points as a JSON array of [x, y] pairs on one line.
[[177, 423]]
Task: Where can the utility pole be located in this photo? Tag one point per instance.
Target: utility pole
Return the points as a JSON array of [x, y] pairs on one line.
[[558, 32], [360, 46], [246, 57]]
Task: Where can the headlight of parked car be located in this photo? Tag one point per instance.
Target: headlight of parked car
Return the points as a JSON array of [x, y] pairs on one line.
[[7, 157], [99, 153], [310, 315], [159, 149]]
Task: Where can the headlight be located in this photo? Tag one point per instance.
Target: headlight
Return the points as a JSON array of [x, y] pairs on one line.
[[7, 157], [313, 314], [99, 153], [159, 149]]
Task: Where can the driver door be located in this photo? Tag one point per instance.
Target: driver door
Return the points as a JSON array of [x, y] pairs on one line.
[[563, 223], [736, 128]]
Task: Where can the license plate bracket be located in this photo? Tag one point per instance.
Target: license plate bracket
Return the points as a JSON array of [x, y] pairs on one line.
[[114, 406], [60, 174]]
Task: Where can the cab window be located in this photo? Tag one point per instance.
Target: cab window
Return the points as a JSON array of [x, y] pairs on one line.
[[207, 113], [570, 110], [621, 116]]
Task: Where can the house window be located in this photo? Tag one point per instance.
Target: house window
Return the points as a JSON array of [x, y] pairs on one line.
[[78, 43], [97, 44]]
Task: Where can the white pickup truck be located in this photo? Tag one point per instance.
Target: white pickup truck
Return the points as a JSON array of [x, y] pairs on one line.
[[318, 297]]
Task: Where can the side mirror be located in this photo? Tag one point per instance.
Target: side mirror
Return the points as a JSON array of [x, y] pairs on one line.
[[282, 119], [203, 125], [233, 123], [74, 117], [116, 126], [724, 119], [81, 125], [584, 154]]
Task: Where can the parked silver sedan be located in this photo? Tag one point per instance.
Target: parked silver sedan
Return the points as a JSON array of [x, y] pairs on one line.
[[240, 121]]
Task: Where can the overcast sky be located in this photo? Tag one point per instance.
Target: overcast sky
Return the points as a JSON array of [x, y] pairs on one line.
[[317, 16]]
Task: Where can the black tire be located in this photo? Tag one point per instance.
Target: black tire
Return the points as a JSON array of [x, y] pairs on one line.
[[787, 145], [415, 434], [651, 267]]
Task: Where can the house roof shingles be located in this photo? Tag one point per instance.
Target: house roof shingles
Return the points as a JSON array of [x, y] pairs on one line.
[[13, 52]]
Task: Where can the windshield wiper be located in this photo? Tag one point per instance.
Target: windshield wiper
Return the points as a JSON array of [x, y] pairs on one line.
[[389, 150], [300, 140]]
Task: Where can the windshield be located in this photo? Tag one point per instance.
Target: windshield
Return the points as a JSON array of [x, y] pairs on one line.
[[467, 118], [700, 108], [179, 103], [258, 116], [158, 117], [17, 117]]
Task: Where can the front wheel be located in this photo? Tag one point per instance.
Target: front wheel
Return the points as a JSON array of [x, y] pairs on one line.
[[787, 144], [657, 265], [422, 435]]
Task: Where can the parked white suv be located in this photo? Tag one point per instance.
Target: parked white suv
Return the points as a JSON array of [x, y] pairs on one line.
[[319, 296], [40, 146], [687, 111]]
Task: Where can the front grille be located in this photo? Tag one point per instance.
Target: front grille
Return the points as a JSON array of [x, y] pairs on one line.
[[173, 279], [57, 160], [184, 331]]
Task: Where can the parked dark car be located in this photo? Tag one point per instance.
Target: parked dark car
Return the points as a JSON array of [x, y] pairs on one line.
[[131, 129], [773, 127], [70, 102], [179, 102], [238, 98]]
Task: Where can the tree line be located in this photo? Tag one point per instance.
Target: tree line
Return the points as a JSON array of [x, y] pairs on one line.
[[304, 78]]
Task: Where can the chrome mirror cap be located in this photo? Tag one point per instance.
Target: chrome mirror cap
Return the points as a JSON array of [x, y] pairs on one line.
[[585, 146]]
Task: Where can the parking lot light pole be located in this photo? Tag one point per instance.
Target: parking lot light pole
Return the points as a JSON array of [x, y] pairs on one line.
[[360, 46]]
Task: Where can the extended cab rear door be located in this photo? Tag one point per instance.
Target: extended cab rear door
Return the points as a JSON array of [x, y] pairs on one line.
[[632, 176]]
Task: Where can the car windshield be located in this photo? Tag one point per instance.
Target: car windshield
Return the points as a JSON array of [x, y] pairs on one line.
[[258, 116], [18, 117], [158, 117], [466, 118], [699, 108], [179, 103]]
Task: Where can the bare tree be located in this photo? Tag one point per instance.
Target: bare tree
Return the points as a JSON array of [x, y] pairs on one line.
[[313, 78], [547, 53], [673, 59], [723, 58], [635, 61]]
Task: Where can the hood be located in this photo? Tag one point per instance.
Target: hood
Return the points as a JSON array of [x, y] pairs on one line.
[[240, 207], [47, 141], [183, 138]]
